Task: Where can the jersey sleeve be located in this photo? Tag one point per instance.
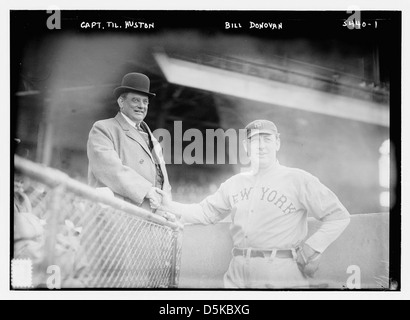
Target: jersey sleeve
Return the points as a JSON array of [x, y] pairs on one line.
[[211, 210], [319, 200], [324, 205]]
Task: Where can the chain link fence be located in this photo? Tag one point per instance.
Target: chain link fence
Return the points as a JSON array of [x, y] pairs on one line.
[[94, 241]]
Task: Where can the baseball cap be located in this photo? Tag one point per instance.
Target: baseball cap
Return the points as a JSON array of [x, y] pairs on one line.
[[259, 127]]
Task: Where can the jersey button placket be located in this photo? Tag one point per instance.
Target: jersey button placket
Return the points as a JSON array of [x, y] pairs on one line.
[[251, 210]]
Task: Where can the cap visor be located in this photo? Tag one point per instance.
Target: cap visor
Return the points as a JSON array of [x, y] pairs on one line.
[[254, 132]]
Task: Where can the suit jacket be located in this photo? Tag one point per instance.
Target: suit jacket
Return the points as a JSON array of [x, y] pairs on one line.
[[120, 159]]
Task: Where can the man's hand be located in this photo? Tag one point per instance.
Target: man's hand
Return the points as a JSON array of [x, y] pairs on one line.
[[308, 260], [166, 198], [154, 197]]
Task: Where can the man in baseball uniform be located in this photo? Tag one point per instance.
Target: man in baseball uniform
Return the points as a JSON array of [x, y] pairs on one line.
[[269, 207]]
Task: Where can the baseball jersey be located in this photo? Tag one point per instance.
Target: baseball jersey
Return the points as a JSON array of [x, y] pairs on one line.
[[270, 209]]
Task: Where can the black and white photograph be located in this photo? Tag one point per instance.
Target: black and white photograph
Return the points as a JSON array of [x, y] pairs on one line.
[[201, 150]]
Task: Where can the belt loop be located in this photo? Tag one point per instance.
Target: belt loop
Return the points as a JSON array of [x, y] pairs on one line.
[[248, 253], [294, 254], [272, 255]]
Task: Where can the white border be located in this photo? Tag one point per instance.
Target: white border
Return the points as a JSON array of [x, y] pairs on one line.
[[195, 5]]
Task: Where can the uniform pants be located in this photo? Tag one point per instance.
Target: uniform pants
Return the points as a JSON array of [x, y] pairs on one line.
[[264, 273]]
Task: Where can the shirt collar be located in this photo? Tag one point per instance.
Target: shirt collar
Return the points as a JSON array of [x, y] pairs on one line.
[[132, 123], [270, 169]]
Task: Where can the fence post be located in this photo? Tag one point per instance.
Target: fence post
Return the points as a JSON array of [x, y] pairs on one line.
[[53, 215], [174, 262]]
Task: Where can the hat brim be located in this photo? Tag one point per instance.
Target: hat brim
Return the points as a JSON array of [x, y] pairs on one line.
[[120, 90], [254, 132]]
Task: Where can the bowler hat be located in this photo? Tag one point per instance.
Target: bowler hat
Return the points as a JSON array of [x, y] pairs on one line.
[[134, 82]]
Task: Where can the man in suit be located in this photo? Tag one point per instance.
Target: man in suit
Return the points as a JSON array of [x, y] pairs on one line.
[[123, 154]]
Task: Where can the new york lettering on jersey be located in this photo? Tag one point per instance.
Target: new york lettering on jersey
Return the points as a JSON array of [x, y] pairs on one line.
[[269, 194]]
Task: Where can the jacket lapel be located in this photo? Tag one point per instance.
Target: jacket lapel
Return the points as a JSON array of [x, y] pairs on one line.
[[159, 156], [157, 151], [133, 133]]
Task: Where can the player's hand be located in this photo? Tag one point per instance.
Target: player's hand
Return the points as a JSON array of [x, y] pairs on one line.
[[166, 198], [155, 199], [308, 260]]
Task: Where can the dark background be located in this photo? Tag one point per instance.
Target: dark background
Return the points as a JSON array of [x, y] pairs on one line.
[[62, 82]]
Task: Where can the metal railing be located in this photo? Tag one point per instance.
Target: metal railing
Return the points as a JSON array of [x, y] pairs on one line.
[[93, 240]]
